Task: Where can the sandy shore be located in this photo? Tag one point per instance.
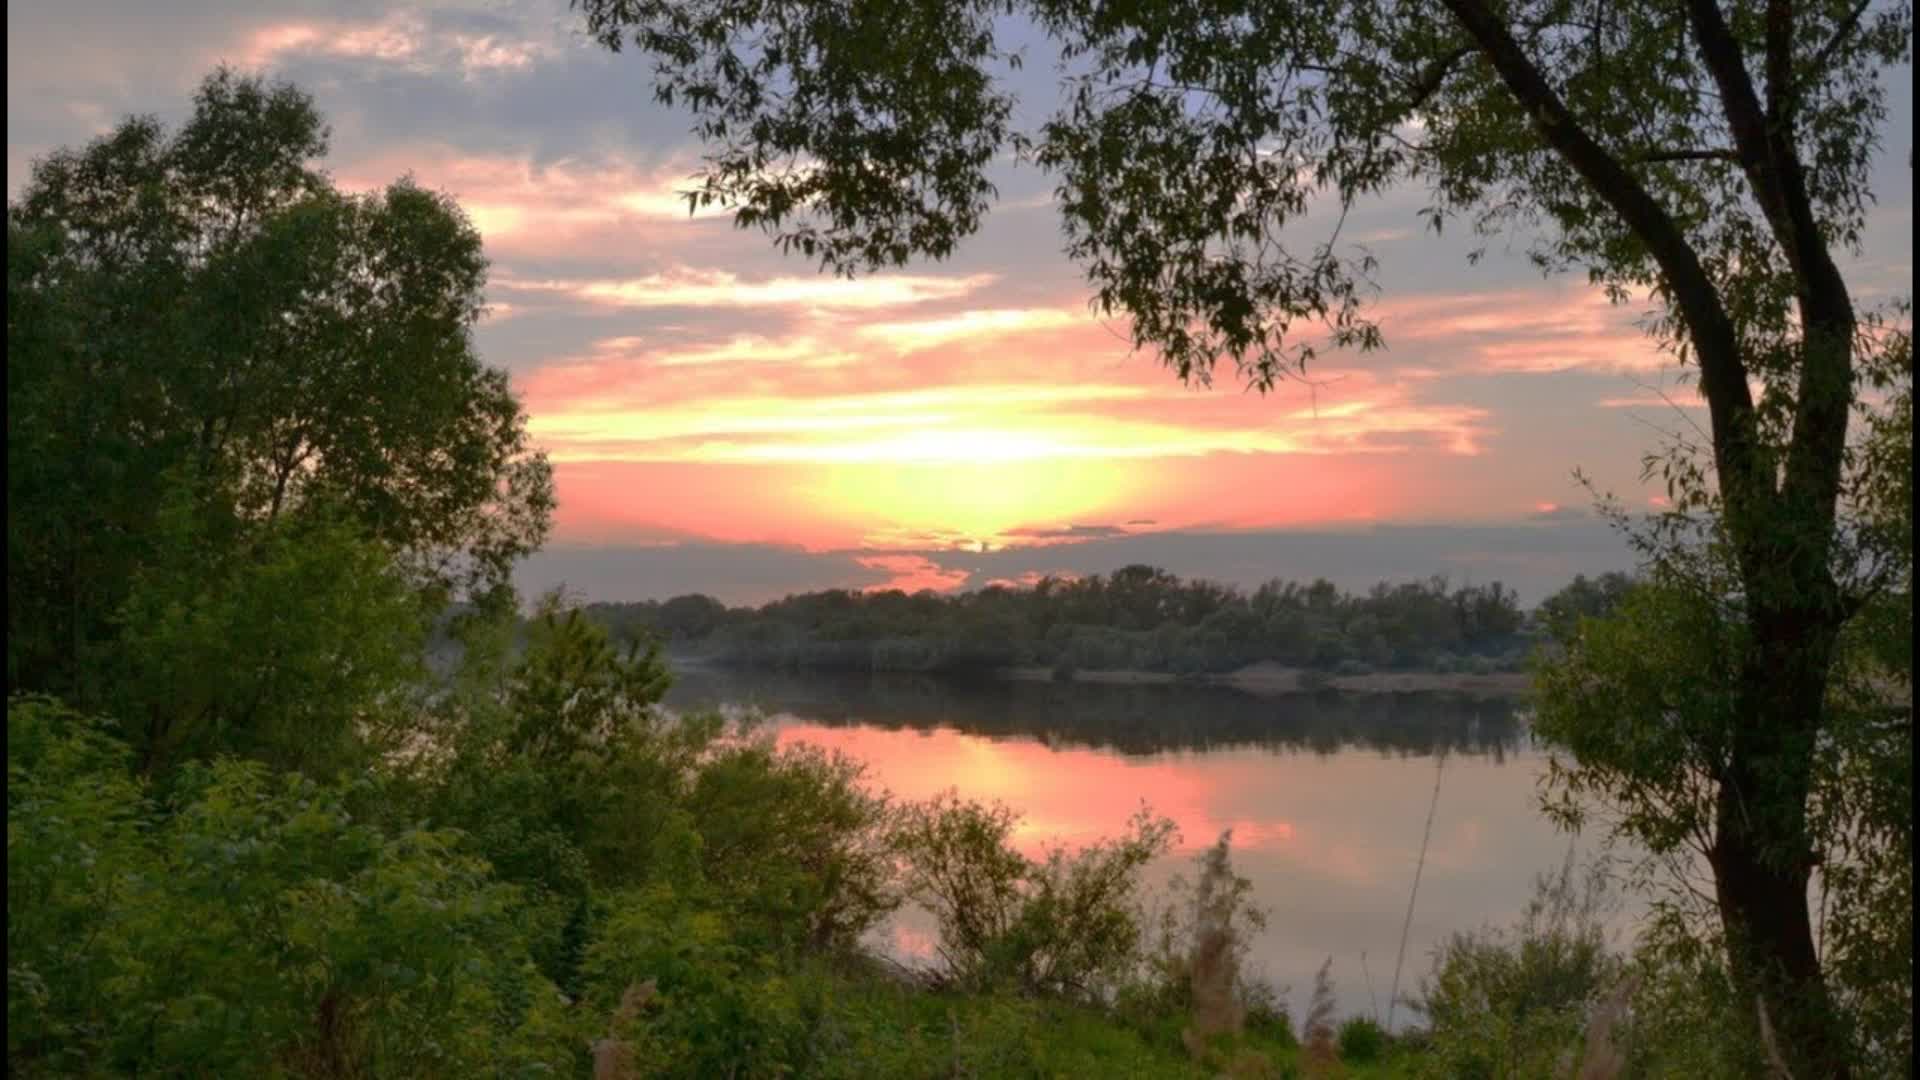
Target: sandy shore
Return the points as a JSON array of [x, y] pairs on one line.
[[1270, 678]]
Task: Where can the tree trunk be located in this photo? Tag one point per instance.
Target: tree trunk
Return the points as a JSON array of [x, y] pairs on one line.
[[1763, 856]]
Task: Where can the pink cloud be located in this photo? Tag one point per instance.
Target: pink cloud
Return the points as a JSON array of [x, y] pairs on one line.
[[402, 39], [912, 573], [1554, 328]]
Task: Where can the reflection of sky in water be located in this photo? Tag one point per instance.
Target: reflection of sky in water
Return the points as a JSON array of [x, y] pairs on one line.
[[1329, 835]]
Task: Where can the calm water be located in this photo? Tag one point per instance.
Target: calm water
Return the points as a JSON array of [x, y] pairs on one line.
[[1327, 797]]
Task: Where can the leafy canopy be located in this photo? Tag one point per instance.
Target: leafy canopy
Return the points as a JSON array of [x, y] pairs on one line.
[[200, 310]]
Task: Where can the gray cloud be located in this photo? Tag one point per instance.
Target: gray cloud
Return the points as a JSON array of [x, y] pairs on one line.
[[1070, 532], [734, 573]]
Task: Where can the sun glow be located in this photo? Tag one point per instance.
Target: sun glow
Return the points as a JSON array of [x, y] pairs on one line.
[[974, 505]]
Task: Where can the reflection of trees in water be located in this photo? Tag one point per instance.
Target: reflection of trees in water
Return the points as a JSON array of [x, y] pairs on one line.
[[1130, 719]]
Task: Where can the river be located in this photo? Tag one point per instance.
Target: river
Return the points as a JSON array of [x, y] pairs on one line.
[[1328, 796]]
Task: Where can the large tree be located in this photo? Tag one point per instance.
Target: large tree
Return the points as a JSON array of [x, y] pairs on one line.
[[208, 346], [1712, 154]]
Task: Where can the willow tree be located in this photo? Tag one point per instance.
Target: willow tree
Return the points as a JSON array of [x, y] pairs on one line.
[[1713, 155]]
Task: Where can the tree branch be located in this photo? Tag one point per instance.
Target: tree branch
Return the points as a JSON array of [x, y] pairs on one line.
[[1720, 51], [1723, 372], [1657, 157], [1770, 155], [1436, 73], [1825, 54]]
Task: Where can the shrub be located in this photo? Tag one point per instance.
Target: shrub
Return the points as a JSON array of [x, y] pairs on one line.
[[1065, 925], [1350, 668], [256, 927], [1514, 1002], [1362, 1041], [794, 842]]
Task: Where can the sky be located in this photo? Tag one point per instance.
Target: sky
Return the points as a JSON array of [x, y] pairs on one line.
[[722, 418]]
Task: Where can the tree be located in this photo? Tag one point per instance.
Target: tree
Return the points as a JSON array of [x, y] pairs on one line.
[[1714, 156], [200, 311]]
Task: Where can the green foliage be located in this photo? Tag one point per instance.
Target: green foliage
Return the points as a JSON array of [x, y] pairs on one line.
[[796, 838], [1708, 156], [1559, 615], [332, 634], [253, 926], [1514, 1003], [1362, 1040], [1065, 925], [1649, 709], [710, 1005], [1135, 618], [196, 317]]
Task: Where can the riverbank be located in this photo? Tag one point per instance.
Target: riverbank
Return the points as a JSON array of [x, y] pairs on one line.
[[1275, 679], [1265, 679]]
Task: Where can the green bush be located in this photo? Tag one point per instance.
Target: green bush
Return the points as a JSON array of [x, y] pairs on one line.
[[1362, 1041], [1514, 1002], [1065, 925], [252, 926]]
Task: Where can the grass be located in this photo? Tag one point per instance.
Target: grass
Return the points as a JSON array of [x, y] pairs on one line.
[[873, 1025]]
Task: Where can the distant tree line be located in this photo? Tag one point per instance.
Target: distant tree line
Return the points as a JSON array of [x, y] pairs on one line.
[[1136, 618]]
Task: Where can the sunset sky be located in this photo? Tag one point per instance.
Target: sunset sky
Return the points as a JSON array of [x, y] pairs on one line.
[[725, 419]]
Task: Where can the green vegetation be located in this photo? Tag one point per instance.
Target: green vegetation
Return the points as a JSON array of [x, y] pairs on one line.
[[1137, 618], [252, 458], [1711, 158]]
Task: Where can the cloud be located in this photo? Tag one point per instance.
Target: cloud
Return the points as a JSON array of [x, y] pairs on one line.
[[912, 573], [1653, 401], [967, 325], [690, 287], [732, 573], [416, 41], [1070, 532], [1546, 329]]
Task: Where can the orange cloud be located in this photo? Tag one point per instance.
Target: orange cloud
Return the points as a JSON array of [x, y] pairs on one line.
[[966, 447], [967, 326]]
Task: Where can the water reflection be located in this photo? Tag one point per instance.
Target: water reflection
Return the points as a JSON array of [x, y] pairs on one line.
[[1327, 797], [1129, 719]]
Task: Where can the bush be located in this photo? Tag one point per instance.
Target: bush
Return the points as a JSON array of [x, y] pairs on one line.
[[1514, 1002], [1362, 1041], [1065, 925], [795, 843], [255, 927], [1350, 668]]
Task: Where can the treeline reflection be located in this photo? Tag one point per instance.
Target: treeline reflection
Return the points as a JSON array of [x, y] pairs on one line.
[[1131, 719]]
